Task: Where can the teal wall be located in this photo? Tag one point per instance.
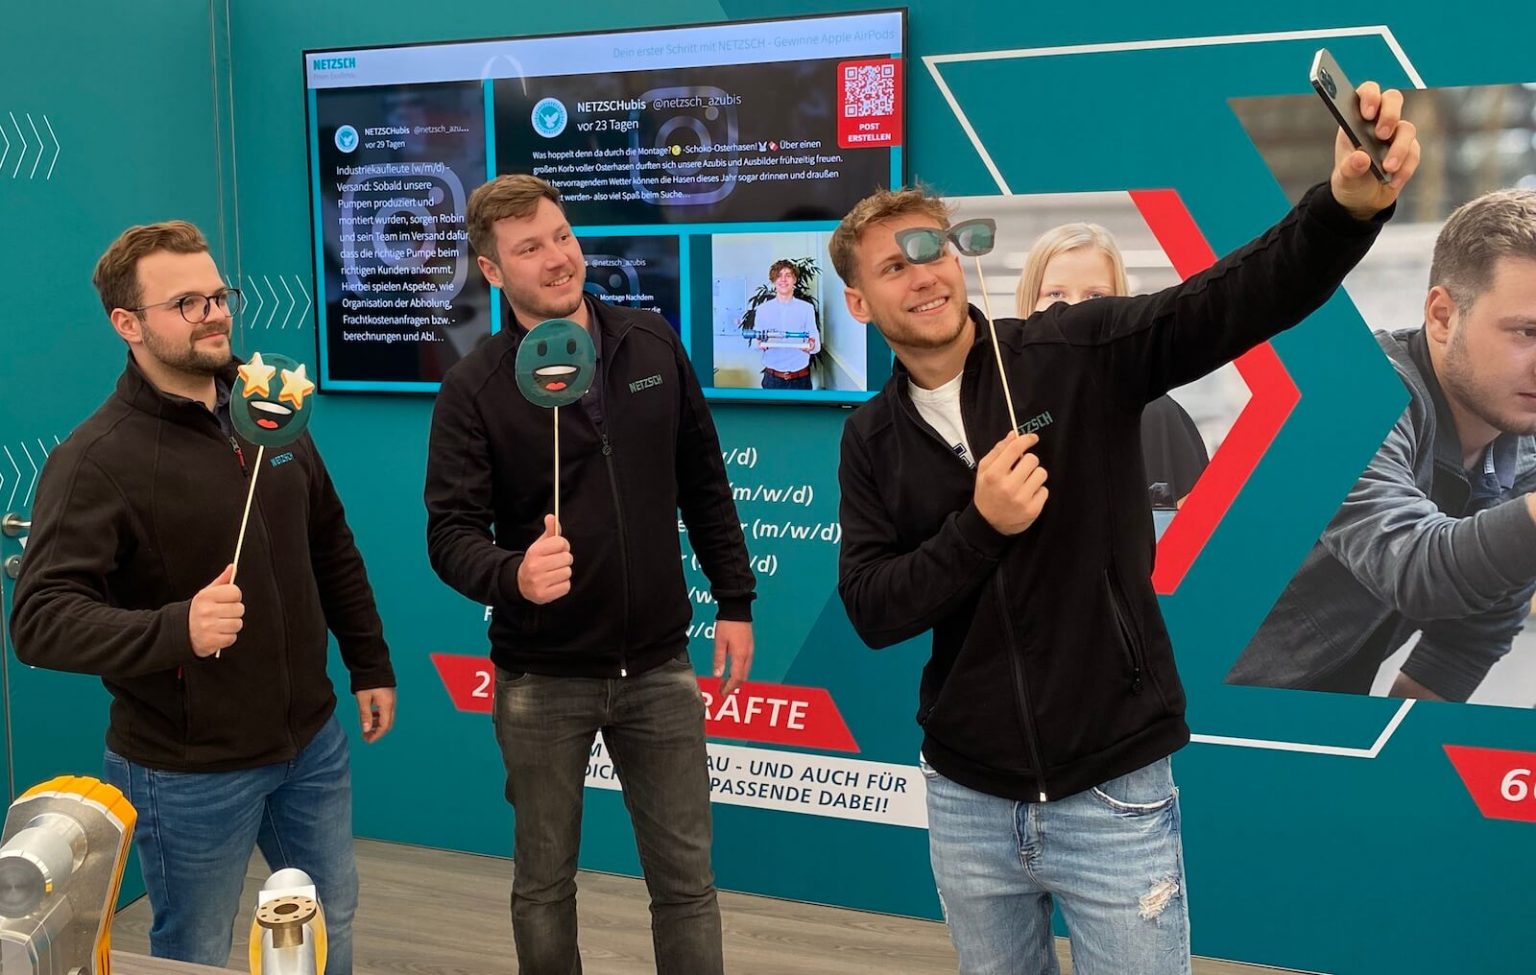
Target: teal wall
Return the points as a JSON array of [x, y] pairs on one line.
[[122, 104], [1312, 861]]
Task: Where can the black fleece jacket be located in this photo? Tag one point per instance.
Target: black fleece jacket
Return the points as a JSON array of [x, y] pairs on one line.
[[137, 511], [1051, 669], [490, 482]]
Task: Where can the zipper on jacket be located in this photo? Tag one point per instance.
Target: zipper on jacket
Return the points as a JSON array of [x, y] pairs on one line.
[[618, 510], [610, 354], [933, 434], [286, 657], [1126, 636], [1031, 737], [1026, 714]]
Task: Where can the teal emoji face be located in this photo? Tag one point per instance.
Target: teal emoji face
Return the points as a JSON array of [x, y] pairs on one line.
[[272, 400], [555, 363]]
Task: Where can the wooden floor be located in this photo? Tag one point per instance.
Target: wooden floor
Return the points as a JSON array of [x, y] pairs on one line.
[[428, 912]]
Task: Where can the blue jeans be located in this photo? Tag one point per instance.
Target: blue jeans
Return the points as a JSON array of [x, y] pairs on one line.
[[653, 728], [196, 831], [1111, 857]]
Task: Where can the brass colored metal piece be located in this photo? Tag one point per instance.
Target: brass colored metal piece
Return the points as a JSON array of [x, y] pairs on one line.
[[285, 917]]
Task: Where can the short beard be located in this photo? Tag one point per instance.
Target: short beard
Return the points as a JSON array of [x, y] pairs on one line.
[[919, 341], [1459, 380], [535, 307], [190, 360]]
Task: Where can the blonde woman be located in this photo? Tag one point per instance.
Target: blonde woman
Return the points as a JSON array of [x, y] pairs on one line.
[[1081, 262]]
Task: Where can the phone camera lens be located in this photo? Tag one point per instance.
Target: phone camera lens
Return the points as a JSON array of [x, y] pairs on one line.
[[1328, 85]]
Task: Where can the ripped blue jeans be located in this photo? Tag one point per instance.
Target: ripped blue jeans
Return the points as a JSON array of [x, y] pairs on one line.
[[1111, 857]]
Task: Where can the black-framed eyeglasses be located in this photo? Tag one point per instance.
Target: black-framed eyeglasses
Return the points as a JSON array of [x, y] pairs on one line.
[[195, 308], [924, 245]]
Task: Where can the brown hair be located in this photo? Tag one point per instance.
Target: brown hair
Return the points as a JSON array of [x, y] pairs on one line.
[[782, 265], [1476, 235], [117, 273], [879, 207], [514, 195]]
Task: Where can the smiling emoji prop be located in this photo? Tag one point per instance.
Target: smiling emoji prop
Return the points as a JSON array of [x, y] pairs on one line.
[[555, 363], [272, 401]]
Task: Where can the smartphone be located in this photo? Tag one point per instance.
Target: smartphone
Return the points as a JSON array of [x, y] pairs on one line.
[[1339, 95]]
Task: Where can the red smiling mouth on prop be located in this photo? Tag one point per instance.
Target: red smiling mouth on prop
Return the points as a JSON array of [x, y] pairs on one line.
[[270, 416], [554, 378]]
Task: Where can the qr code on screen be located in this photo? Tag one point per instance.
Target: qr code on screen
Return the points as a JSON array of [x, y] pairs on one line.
[[869, 90]]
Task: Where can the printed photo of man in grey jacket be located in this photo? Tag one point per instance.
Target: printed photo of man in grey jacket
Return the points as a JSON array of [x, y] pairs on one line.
[[1438, 536]]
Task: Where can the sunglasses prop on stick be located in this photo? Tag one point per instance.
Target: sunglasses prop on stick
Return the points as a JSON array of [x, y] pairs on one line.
[[555, 365], [972, 238]]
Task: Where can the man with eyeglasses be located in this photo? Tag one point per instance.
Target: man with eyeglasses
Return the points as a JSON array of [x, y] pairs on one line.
[[1050, 703], [128, 577]]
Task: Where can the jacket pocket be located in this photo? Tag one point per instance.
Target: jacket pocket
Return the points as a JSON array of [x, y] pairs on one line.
[[1129, 643], [1131, 626]]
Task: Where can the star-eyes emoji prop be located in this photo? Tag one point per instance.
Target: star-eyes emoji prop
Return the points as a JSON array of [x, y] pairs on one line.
[[261, 417], [257, 376], [267, 420]]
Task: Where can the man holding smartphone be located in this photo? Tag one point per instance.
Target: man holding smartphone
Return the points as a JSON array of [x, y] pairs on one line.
[[1051, 703]]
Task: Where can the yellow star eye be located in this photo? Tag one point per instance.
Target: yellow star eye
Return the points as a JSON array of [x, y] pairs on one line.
[[257, 376], [296, 386]]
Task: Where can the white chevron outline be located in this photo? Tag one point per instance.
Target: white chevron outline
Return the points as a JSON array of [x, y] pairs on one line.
[[308, 303], [57, 149], [272, 317], [10, 504], [292, 305], [260, 301], [20, 135], [27, 498], [40, 144]]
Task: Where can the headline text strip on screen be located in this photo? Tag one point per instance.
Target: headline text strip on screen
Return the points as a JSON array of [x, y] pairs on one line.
[[860, 35]]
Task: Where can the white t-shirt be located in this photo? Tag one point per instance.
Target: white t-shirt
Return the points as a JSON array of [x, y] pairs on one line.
[[941, 408]]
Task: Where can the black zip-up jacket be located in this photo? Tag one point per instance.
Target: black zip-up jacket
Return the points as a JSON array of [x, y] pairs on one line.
[[490, 482], [137, 511], [1051, 669]]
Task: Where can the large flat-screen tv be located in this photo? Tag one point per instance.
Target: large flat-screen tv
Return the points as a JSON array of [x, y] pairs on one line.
[[691, 161]]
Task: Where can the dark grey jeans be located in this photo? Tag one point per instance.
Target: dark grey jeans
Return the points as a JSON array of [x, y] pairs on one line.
[[653, 726]]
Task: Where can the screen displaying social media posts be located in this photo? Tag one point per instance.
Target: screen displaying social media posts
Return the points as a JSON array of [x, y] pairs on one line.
[[687, 159], [635, 272], [403, 300], [696, 145]]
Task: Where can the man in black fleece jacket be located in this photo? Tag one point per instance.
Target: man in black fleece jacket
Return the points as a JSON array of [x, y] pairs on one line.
[[1051, 702], [590, 616], [136, 512]]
